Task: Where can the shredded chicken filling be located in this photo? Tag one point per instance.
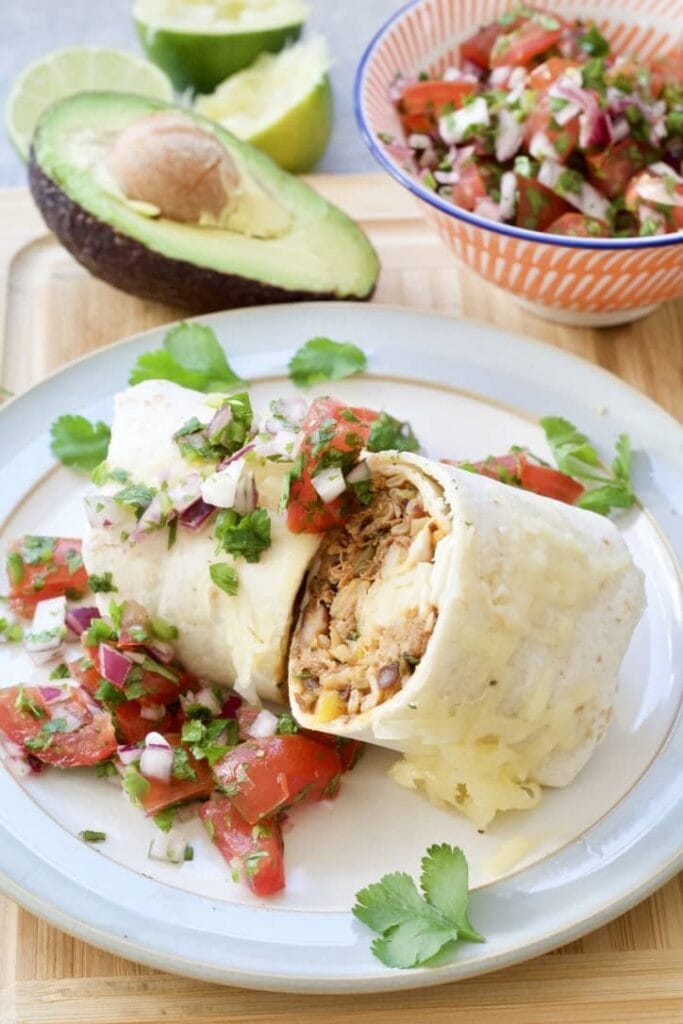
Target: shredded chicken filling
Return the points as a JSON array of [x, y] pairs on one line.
[[345, 662]]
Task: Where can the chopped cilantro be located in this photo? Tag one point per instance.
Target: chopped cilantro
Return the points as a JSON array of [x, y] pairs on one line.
[[11, 632], [210, 741], [109, 695], [38, 550], [322, 359], [99, 631], [101, 584], [105, 769], [246, 535], [224, 577], [89, 836], [293, 473], [44, 738], [74, 562], [16, 570], [60, 672], [26, 705], [200, 442], [576, 456], [192, 357], [414, 926], [135, 496], [286, 726], [135, 785], [102, 474], [182, 769], [164, 819], [78, 443], [593, 42], [162, 629], [390, 434]]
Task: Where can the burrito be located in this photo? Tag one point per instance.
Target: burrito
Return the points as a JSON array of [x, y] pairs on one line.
[[474, 627], [236, 639]]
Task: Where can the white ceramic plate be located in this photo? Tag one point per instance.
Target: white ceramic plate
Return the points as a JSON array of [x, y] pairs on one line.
[[543, 877]]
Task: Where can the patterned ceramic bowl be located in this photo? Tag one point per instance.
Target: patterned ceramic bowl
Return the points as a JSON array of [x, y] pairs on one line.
[[588, 281]]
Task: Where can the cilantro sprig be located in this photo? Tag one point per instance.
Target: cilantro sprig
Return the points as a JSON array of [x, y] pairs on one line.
[[414, 926], [576, 456], [322, 359], [191, 357], [246, 535], [78, 443]]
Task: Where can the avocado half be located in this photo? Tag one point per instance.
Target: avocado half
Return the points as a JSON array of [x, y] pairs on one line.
[[323, 254]]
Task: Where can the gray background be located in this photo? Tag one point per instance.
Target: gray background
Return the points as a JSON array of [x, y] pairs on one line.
[[31, 28]]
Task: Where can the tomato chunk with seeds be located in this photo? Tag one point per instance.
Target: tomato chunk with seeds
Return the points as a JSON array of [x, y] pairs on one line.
[[333, 436], [611, 169], [42, 567], [578, 225], [537, 206], [255, 851], [264, 776], [535, 36], [422, 103], [517, 469], [71, 733], [159, 795]]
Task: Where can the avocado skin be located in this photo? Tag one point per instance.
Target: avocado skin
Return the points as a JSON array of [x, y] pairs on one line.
[[127, 264]]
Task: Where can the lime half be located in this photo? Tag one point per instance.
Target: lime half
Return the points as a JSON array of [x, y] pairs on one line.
[[200, 42], [282, 104], [76, 69]]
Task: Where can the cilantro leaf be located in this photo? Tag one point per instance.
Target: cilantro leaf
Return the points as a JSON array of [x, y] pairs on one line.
[[224, 577], [78, 443], [414, 928], [444, 881], [413, 942], [389, 434], [191, 357], [389, 902], [88, 836], [247, 535], [576, 456], [101, 584], [322, 359]]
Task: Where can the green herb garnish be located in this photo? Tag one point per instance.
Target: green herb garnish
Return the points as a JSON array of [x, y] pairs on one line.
[[182, 769], [78, 443], [322, 359], [224, 577], [576, 456], [390, 434], [102, 584], [246, 536], [192, 357], [414, 926], [92, 837]]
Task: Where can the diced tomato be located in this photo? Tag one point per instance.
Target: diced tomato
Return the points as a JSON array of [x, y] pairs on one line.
[[158, 689], [611, 168], [266, 775], [470, 186], [478, 47], [530, 39], [517, 469], [542, 77], [578, 225], [670, 212], [132, 727], [537, 206], [160, 795], [333, 435], [563, 138], [349, 751], [256, 850], [426, 101], [549, 482], [667, 69], [27, 720], [44, 567]]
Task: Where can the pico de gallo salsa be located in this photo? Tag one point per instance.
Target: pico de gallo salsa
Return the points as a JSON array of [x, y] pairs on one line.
[[542, 126]]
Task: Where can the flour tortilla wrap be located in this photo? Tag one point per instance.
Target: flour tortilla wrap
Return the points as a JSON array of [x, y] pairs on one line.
[[473, 626], [238, 640]]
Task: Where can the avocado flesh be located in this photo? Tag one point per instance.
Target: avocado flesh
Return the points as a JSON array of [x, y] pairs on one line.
[[321, 253]]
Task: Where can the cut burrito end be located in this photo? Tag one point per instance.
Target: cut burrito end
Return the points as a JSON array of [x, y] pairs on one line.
[[475, 628]]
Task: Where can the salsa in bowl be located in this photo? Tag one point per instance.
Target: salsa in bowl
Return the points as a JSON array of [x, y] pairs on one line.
[[547, 157]]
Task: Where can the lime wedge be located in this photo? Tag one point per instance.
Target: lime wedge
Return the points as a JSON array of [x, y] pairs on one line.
[[76, 69], [282, 104], [200, 42]]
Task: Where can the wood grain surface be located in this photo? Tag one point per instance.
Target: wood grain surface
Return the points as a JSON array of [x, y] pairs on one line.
[[629, 971]]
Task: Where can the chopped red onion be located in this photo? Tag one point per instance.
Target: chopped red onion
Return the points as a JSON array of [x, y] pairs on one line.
[[129, 753], [569, 111], [282, 444], [160, 650], [236, 456], [102, 511], [71, 719], [360, 472], [246, 495], [399, 151], [498, 78], [79, 619], [205, 698], [620, 129], [653, 217], [329, 483], [265, 724], [655, 190], [220, 488], [488, 208], [446, 177], [156, 760], [152, 712], [194, 517], [508, 195], [185, 492], [541, 148], [231, 706], [398, 87], [470, 70], [418, 140], [221, 419], [14, 758], [44, 640], [509, 135], [588, 200], [114, 666], [53, 694], [454, 126], [665, 171]]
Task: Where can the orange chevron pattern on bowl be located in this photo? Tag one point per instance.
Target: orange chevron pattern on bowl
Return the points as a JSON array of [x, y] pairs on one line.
[[570, 279]]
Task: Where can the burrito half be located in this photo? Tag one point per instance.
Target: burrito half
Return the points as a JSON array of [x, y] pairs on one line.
[[239, 639], [474, 627]]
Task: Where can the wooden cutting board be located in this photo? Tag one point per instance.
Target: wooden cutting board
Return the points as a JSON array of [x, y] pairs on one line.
[[629, 971]]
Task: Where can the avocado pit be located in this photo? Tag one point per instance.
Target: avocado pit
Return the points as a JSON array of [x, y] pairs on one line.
[[169, 161]]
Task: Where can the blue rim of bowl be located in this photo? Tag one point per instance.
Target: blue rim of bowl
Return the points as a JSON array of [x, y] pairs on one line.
[[511, 230]]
